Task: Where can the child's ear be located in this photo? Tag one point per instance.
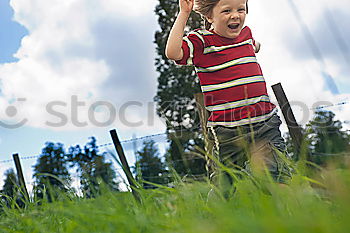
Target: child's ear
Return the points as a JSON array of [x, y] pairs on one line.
[[209, 19]]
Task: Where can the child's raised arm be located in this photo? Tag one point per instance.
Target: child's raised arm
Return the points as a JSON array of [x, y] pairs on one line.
[[173, 48]]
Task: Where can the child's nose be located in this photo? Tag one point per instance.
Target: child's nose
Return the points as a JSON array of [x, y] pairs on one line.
[[234, 15]]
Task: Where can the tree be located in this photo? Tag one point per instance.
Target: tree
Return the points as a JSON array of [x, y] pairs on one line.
[[326, 137], [51, 170], [11, 189], [175, 100], [92, 168], [11, 183], [149, 166]]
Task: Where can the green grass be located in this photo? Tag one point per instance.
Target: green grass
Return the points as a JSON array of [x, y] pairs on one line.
[[302, 206]]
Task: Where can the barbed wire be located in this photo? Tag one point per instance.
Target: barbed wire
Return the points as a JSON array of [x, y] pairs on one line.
[[143, 138], [150, 136], [105, 145], [324, 106], [330, 105], [7, 161], [22, 158], [171, 162], [98, 146]]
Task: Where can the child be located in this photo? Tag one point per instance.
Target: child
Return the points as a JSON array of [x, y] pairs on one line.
[[232, 82]]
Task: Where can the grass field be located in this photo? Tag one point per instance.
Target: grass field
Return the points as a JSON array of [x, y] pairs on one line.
[[310, 206]]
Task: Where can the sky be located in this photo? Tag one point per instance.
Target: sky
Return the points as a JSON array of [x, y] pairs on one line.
[[79, 68]]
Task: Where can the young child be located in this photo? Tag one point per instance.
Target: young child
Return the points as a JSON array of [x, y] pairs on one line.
[[232, 82]]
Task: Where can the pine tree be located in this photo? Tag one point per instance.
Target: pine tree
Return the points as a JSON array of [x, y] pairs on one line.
[[149, 166], [175, 100], [53, 161], [11, 192], [11, 183], [326, 136], [92, 168]]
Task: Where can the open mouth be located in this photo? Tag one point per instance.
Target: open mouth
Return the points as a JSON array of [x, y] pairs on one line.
[[233, 26]]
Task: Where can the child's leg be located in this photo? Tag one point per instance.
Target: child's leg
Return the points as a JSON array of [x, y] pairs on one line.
[[230, 145], [230, 150], [271, 146]]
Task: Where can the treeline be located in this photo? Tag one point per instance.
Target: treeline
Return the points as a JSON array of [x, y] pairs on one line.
[[52, 173], [325, 140], [57, 168]]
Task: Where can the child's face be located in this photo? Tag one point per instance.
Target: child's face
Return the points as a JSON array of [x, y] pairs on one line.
[[227, 17]]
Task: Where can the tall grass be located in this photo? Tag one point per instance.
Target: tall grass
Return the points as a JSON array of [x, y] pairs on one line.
[[316, 204]]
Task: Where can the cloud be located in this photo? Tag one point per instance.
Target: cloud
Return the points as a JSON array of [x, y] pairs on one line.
[[103, 50], [286, 56], [95, 50]]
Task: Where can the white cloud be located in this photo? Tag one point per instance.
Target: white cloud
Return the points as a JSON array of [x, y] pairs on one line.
[[122, 9], [103, 50], [61, 57], [274, 24]]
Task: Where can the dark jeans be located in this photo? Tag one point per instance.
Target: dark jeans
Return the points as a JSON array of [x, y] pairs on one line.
[[239, 146]]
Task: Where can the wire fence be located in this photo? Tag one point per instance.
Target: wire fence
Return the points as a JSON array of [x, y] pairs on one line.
[[152, 136], [331, 105], [173, 162]]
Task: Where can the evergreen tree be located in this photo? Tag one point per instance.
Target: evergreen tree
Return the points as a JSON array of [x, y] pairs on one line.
[[175, 100], [149, 166], [11, 191], [326, 136], [92, 168], [11, 183], [53, 161]]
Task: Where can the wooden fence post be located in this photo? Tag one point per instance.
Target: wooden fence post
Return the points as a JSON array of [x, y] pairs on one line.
[[20, 176], [125, 164], [293, 127]]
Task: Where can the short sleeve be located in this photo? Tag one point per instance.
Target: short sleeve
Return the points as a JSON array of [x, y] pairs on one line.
[[250, 35], [192, 46]]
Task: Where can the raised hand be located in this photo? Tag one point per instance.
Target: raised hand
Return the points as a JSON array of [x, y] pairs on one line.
[[186, 5], [173, 48]]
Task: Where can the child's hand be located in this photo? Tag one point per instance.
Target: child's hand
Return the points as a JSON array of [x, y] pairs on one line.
[[186, 5], [257, 47]]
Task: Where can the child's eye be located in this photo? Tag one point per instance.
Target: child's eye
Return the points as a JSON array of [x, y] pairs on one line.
[[226, 11], [241, 10]]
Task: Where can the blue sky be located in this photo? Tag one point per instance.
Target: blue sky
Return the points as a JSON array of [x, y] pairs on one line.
[[71, 55], [10, 38], [131, 94]]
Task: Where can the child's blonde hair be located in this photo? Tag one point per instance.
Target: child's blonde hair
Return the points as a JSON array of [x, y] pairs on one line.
[[205, 9]]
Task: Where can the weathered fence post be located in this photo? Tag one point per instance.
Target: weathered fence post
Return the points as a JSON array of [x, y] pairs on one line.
[[293, 127], [20, 176], [125, 165]]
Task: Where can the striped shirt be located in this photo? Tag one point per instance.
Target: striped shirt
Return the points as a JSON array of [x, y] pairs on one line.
[[231, 79]]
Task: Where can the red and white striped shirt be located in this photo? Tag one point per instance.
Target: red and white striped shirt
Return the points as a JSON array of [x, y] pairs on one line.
[[231, 79]]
